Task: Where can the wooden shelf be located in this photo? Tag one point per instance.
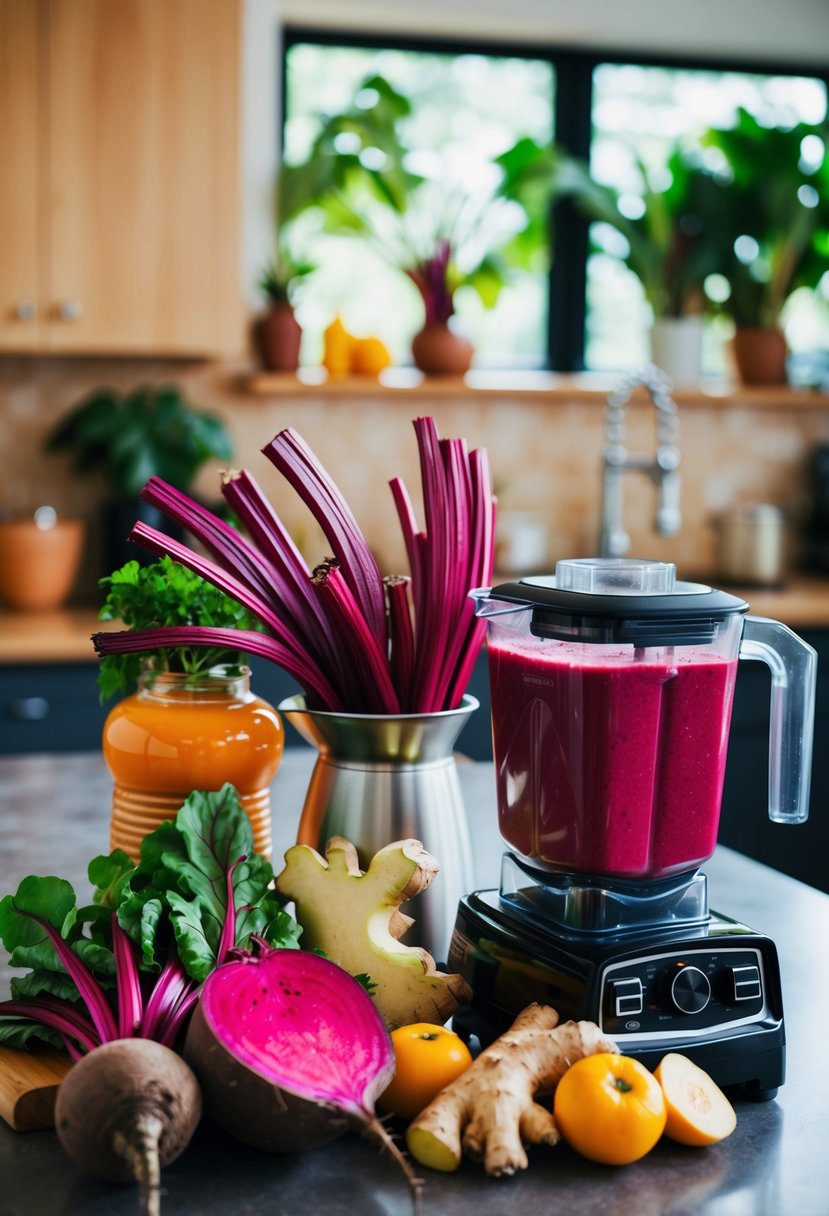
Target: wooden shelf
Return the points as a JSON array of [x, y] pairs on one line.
[[405, 383]]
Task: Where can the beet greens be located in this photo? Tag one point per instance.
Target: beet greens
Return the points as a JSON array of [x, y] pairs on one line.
[[131, 964]]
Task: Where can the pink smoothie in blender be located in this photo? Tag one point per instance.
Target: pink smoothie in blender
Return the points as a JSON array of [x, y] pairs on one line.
[[606, 764], [611, 687]]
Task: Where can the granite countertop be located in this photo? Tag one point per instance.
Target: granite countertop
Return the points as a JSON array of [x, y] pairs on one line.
[[63, 636], [54, 814]]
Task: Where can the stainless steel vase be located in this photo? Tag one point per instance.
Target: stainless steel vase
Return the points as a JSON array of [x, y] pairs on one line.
[[381, 778]]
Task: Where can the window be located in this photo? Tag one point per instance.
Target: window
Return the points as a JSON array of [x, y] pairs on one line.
[[582, 307], [637, 114]]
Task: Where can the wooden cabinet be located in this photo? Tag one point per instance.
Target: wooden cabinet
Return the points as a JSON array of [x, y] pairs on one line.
[[120, 206]]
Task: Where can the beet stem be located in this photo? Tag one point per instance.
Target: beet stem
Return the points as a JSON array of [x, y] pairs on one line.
[[140, 1151], [374, 1129]]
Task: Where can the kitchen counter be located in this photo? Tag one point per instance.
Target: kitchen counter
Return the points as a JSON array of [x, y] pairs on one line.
[[54, 817], [64, 636]]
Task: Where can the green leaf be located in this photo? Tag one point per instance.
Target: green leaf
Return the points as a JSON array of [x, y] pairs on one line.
[[269, 920], [42, 982], [22, 1033], [52, 899], [197, 932], [108, 874]]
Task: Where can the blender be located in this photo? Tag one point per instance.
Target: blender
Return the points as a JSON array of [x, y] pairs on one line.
[[611, 692]]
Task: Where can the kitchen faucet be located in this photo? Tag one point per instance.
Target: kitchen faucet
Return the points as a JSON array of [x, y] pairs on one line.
[[662, 467]]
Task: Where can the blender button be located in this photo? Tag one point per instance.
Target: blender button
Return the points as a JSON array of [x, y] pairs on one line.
[[626, 996], [745, 983]]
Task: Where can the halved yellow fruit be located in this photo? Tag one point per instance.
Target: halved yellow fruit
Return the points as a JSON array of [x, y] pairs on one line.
[[698, 1111]]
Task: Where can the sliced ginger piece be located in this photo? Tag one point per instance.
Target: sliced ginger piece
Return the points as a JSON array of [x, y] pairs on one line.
[[490, 1111], [355, 919]]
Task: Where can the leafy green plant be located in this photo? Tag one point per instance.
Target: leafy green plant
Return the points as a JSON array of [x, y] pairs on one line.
[[133, 961], [161, 594], [357, 176], [669, 243], [772, 218], [149, 431]]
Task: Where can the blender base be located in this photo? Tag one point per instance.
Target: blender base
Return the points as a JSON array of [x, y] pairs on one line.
[[709, 991]]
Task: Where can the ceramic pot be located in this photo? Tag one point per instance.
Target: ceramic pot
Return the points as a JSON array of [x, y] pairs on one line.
[[439, 351], [38, 566], [180, 733], [379, 779], [278, 337], [676, 348], [760, 355]]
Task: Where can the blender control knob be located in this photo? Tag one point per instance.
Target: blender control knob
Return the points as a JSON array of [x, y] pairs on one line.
[[690, 990]]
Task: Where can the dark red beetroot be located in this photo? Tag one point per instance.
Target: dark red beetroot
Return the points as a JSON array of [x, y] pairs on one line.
[[126, 1110], [291, 1052]]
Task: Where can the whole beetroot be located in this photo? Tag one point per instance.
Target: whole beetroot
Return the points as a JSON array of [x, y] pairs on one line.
[[126, 1110]]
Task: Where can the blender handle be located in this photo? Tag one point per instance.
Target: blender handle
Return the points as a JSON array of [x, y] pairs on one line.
[[793, 666]]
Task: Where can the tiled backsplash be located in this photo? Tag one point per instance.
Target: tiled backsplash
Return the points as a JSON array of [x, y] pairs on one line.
[[545, 453]]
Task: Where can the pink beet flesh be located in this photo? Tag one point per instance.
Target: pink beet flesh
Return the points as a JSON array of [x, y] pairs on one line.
[[303, 1024]]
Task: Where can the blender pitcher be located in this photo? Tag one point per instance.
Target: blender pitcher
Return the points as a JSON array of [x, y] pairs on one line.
[[611, 688]]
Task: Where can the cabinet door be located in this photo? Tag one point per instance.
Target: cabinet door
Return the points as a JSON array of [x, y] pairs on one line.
[[20, 287], [144, 210]]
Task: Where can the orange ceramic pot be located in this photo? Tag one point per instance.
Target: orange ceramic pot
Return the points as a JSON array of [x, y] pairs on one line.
[[38, 566], [439, 351], [760, 355], [180, 733]]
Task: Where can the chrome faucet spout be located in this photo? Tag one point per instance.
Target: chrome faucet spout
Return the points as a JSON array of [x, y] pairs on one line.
[[662, 468]]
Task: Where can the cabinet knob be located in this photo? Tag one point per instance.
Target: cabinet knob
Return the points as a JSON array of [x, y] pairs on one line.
[[26, 310], [70, 310]]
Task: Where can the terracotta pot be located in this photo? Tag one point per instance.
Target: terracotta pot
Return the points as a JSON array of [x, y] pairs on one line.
[[180, 733], [760, 356], [278, 338], [38, 565], [439, 351]]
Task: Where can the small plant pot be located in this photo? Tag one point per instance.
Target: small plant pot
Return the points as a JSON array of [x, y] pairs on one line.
[[38, 566], [676, 348], [278, 336], [760, 356], [439, 351]]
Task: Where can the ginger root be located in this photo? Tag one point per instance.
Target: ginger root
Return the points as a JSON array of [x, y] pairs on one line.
[[490, 1111], [355, 919]]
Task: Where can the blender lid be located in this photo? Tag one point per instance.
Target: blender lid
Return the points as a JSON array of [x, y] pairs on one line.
[[620, 599]]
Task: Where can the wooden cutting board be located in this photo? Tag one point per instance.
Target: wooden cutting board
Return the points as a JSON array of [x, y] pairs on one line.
[[29, 1082]]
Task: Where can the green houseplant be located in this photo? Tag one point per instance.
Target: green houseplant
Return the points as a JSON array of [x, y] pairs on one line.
[[667, 242], [772, 231], [357, 176], [126, 439]]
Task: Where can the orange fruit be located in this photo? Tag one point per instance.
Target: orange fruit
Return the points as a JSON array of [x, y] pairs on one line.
[[609, 1108], [337, 347], [369, 357], [427, 1058]]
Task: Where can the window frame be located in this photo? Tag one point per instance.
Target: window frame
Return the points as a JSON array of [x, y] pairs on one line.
[[573, 68]]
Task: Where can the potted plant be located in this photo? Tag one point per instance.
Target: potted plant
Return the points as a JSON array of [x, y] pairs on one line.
[[772, 231], [128, 438], [189, 719], [667, 237], [358, 176], [278, 332]]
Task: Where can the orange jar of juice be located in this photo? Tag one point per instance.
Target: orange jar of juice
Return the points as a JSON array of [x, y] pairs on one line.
[[180, 733]]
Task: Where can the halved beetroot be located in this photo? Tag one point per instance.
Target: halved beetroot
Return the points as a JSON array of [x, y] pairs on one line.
[[289, 1049]]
